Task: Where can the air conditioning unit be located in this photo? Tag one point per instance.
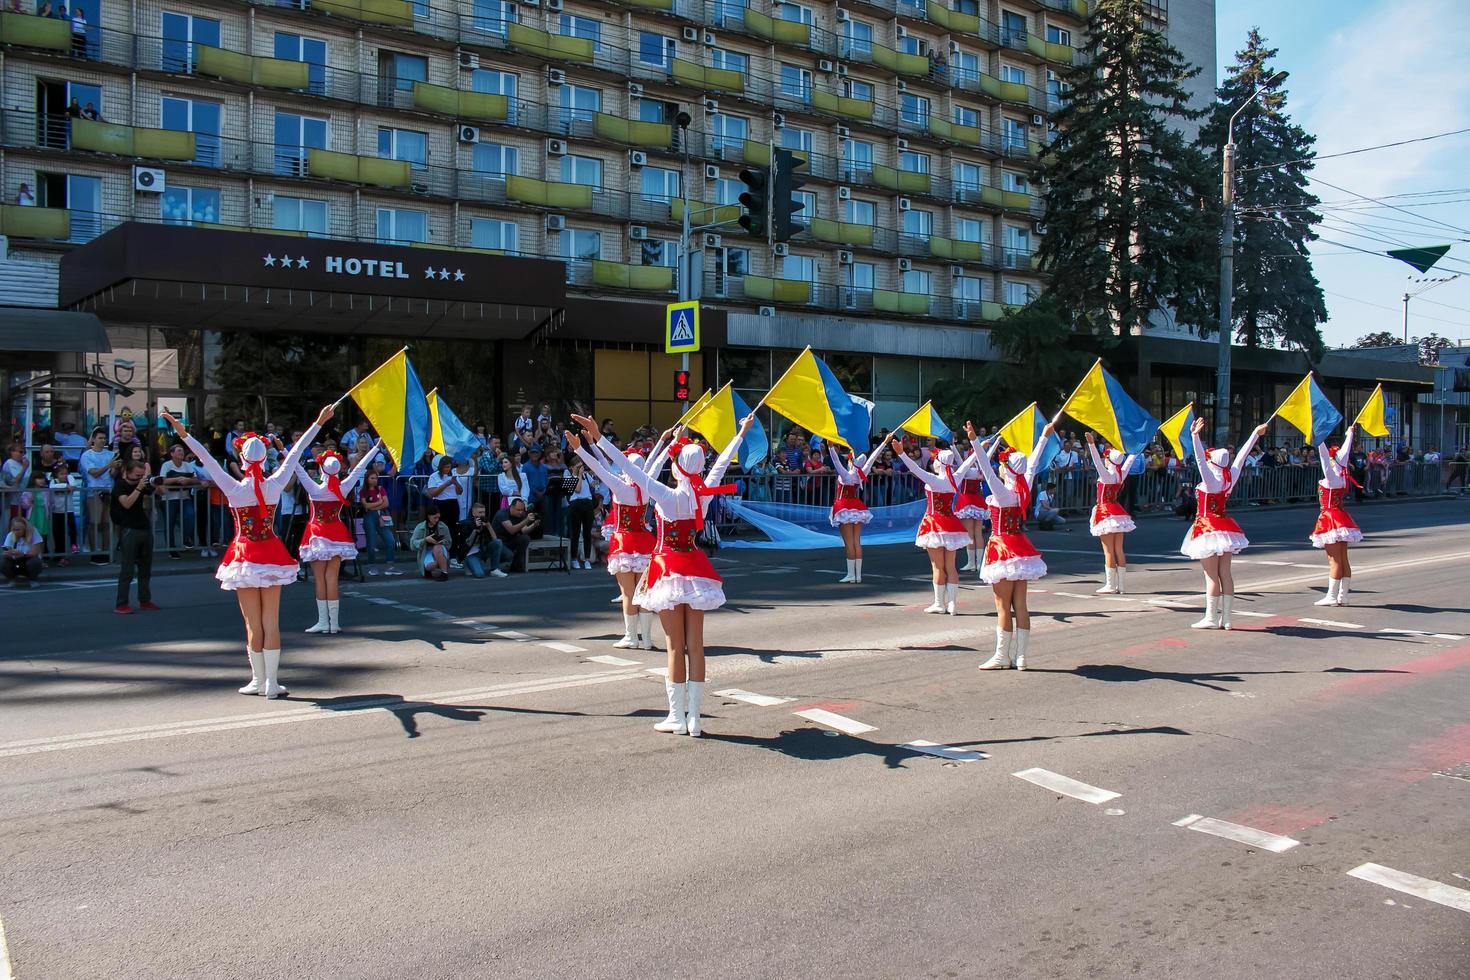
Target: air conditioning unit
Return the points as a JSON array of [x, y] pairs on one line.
[[903, 86], [780, 250], [417, 187], [709, 39], [555, 76], [841, 69], [843, 132], [555, 222], [149, 180], [469, 134], [956, 271], [635, 91], [768, 311], [824, 66], [691, 34], [711, 105], [778, 120], [843, 16], [710, 240], [904, 204], [903, 144], [844, 258], [468, 60], [905, 265], [903, 32], [531, 3], [637, 158], [844, 193], [637, 232], [553, 5], [1040, 227], [1037, 120], [711, 172], [954, 47], [556, 148]]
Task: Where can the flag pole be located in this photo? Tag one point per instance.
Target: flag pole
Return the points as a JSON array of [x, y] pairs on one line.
[[704, 403], [1063, 410], [368, 378], [805, 351]]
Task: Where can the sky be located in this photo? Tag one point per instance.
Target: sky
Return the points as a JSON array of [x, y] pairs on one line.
[[1364, 73]]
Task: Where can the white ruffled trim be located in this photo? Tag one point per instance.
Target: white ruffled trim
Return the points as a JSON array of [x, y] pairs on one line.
[[681, 590], [948, 540], [850, 516], [1027, 568], [247, 575], [1113, 525], [607, 532], [1338, 535], [971, 513], [1214, 543], [321, 549], [618, 564]]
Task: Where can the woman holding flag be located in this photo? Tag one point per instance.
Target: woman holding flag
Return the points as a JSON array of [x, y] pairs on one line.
[[940, 533], [1110, 520], [1335, 528], [327, 541], [849, 513], [256, 563], [1214, 537]]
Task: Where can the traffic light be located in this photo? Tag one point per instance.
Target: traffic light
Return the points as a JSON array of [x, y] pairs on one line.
[[755, 200], [681, 386], [785, 181]]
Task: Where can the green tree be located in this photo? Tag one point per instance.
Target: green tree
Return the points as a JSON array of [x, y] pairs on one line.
[[1126, 236], [1277, 301], [1379, 338]]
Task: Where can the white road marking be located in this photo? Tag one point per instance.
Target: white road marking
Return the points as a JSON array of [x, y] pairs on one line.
[[1297, 564], [845, 725], [436, 614], [1254, 615], [1425, 888], [513, 635], [1109, 598], [1263, 561], [5, 973], [560, 647], [660, 671], [943, 751], [293, 715], [1058, 783], [413, 609], [1437, 636], [1238, 833], [611, 661], [476, 625], [379, 600], [759, 700], [1331, 622]]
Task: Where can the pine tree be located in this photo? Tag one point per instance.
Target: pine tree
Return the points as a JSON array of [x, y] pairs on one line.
[[1126, 228], [1277, 301]]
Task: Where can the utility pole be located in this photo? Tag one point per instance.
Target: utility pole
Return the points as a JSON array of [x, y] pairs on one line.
[[685, 269]]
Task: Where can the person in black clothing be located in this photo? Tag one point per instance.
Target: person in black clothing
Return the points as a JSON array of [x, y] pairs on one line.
[[512, 525], [134, 535]]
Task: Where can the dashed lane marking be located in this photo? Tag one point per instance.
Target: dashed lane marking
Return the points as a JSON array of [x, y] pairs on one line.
[[947, 752], [846, 726], [1331, 622], [1253, 615], [1238, 833], [514, 635], [1425, 888], [1067, 786], [611, 661], [560, 647], [759, 700], [1437, 636]]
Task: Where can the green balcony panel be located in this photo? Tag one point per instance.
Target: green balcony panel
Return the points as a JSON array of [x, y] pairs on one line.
[[757, 154], [651, 4], [384, 173], [483, 105], [549, 46], [841, 232], [993, 196], [901, 180], [1036, 261], [1015, 200], [331, 165], [164, 144], [610, 127], [954, 132], [990, 85], [782, 31], [436, 98], [654, 278], [888, 301], [778, 290], [613, 274], [953, 20], [101, 137], [659, 136], [280, 73], [701, 214], [398, 13], [1079, 7], [29, 222], [35, 32], [572, 48], [838, 105], [223, 64], [899, 63], [990, 310], [549, 194], [1014, 92], [949, 248], [724, 80], [686, 72]]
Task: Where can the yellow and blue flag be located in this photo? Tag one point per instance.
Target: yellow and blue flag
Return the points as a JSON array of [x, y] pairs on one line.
[[1176, 429], [1023, 432], [1101, 404], [1373, 416], [718, 419], [393, 401], [810, 395], [447, 434], [1309, 412], [694, 407], [927, 423]]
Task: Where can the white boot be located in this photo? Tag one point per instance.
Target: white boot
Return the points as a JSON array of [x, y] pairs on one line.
[[1342, 591], [857, 570], [1210, 621], [271, 688], [1023, 637], [630, 633], [1329, 598], [851, 576], [257, 671], [1118, 573], [951, 598], [674, 723], [1001, 659], [1225, 602], [334, 621], [1110, 584], [969, 560], [696, 695], [645, 631], [322, 625], [938, 605]]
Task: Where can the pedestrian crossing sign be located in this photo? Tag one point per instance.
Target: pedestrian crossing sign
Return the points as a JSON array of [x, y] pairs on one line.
[[681, 328]]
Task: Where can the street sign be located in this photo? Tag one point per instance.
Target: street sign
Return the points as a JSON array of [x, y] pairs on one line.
[[681, 328]]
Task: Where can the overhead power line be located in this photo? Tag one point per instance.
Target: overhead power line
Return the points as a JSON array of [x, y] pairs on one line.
[[1348, 153]]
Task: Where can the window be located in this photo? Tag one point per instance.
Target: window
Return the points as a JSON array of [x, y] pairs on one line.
[[1017, 293], [84, 200], [796, 83], [196, 116], [400, 226], [793, 138], [914, 163], [186, 205], [968, 177], [914, 110], [1017, 242], [403, 144], [397, 73], [968, 289], [857, 159], [857, 283], [1058, 35], [857, 90], [299, 214], [1012, 73], [730, 263], [808, 209], [729, 12], [969, 230], [312, 50], [799, 267], [1013, 134], [581, 170], [966, 116], [1012, 28], [659, 184], [971, 7], [181, 34], [728, 191], [729, 132], [857, 40], [581, 245], [490, 233], [796, 13], [729, 60], [1056, 90], [494, 82], [654, 111], [916, 222], [965, 67], [495, 160], [492, 16], [655, 49], [858, 212], [913, 45], [661, 252], [294, 136], [1014, 182], [917, 282], [578, 105], [583, 27]]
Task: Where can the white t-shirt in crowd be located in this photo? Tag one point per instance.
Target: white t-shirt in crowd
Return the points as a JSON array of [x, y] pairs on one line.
[[438, 480], [95, 459], [1043, 502], [1066, 459], [466, 488], [31, 539], [170, 469]]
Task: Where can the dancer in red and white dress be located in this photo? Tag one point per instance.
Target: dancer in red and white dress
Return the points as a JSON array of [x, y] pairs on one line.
[[327, 541], [1110, 520], [681, 584], [940, 533], [969, 507], [1011, 560], [256, 564], [849, 513], [1335, 528], [1214, 536]]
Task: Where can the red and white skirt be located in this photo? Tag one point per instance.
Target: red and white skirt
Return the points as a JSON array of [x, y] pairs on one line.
[[848, 510], [970, 507], [1011, 558], [256, 565], [1109, 517], [680, 578], [325, 540], [1335, 526], [628, 551], [942, 531], [1210, 536]]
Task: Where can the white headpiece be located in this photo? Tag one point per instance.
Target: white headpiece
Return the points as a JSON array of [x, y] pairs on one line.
[[331, 465], [1220, 457], [253, 451], [691, 460], [635, 459], [1116, 457], [1016, 462], [946, 457]]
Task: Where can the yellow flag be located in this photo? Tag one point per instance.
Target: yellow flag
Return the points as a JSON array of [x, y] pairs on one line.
[[713, 418], [1371, 418], [693, 409]]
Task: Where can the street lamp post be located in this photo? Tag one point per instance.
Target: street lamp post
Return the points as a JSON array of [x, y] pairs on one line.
[[1227, 267], [686, 288]]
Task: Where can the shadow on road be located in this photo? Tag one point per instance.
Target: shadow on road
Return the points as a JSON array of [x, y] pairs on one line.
[[1121, 673], [818, 745]]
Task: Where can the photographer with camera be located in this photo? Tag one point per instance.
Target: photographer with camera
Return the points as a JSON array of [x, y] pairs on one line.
[[514, 525], [134, 534], [431, 540], [481, 546]]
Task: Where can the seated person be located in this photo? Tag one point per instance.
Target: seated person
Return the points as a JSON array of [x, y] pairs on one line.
[[20, 559], [431, 541], [513, 526]]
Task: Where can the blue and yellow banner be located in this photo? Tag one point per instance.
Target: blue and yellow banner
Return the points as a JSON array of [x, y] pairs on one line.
[[927, 423], [447, 434], [718, 419], [1023, 433], [1374, 417], [393, 401], [1101, 404], [810, 395], [1309, 412], [1176, 429]]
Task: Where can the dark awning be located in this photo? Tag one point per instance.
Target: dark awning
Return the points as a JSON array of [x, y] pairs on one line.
[[52, 331]]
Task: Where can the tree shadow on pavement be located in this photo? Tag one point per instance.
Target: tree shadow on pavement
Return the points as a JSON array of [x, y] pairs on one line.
[[1410, 607], [407, 711], [819, 745], [1122, 673], [1156, 730]]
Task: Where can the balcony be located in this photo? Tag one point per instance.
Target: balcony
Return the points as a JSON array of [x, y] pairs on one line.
[[17, 221], [647, 278], [31, 31], [903, 181], [913, 65], [548, 194], [703, 214], [839, 232], [130, 141], [1048, 50], [960, 251], [777, 30], [839, 105], [251, 70], [793, 291], [550, 47], [331, 165], [909, 304], [393, 13], [706, 79], [972, 136], [628, 131], [459, 103]]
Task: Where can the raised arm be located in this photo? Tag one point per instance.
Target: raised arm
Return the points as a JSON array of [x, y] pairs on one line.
[[1250, 443], [1097, 460], [1199, 457], [658, 458], [361, 467], [987, 469], [307, 481], [1345, 451], [873, 455], [664, 496], [722, 462], [217, 473], [594, 464], [287, 469], [843, 472], [931, 480]]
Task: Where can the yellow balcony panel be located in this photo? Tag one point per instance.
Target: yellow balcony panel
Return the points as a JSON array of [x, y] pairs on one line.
[[782, 31], [653, 278], [838, 105], [778, 290], [1014, 92], [223, 64], [899, 63], [164, 144], [758, 154], [990, 85], [888, 301], [331, 165], [651, 4], [613, 274], [572, 48], [384, 173], [657, 135], [990, 310], [1079, 7], [993, 196], [953, 20], [436, 98], [29, 222], [701, 214], [1015, 200], [549, 46], [101, 137], [954, 132], [398, 13], [841, 232], [687, 72], [279, 73], [31, 31], [949, 248], [724, 80], [901, 180], [610, 127], [578, 196]]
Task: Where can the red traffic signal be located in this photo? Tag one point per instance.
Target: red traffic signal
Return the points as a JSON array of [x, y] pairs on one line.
[[681, 386]]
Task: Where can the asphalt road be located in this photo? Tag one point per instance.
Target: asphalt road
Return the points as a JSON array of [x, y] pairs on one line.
[[455, 789]]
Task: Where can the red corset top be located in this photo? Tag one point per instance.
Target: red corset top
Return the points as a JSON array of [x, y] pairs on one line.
[[1331, 497], [1007, 520], [1212, 504], [940, 504], [326, 511], [250, 528], [628, 517], [847, 491], [1107, 493], [971, 487], [676, 536]]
